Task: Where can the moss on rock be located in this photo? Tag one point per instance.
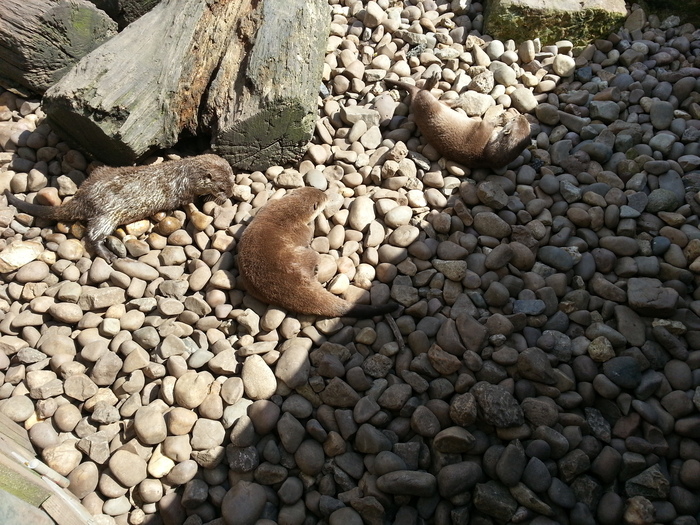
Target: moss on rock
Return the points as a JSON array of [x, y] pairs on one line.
[[550, 21]]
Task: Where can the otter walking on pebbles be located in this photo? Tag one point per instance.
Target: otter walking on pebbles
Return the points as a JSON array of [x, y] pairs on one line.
[[114, 196], [278, 265], [469, 141]]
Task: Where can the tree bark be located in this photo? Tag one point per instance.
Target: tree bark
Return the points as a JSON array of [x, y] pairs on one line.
[[263, 104], [138, 91], [40, 40]]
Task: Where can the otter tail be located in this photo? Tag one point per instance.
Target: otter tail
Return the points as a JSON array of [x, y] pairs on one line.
[[56, 213], [316, 300], [365, 311]]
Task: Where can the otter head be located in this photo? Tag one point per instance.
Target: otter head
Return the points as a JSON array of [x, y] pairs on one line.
[[508, 142], [516, 134], [217, 179], [312, 200]]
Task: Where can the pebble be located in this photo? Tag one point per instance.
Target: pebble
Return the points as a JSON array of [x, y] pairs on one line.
[[408, 482], [62, 457], [149, 425], [258, 379], [243, 503]]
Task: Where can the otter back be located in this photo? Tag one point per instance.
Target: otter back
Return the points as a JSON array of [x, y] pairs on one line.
[[114, 196], [278, 265], [470, 141]]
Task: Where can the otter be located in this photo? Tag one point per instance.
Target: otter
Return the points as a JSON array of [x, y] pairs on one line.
[[475, 143], [114, 196], [278, 265]]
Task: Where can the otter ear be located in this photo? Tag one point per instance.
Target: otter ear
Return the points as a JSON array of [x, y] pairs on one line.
[[208, 176]]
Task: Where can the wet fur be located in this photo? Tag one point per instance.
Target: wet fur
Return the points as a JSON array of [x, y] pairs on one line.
[[470, 141], [114, 196], [278, 265]]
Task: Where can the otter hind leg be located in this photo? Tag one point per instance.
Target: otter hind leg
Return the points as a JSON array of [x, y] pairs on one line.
[[98, 228], [431, 82]]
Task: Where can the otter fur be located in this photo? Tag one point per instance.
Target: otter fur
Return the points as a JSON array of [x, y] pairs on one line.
[[278, 265], [114, 196], [473, 142]]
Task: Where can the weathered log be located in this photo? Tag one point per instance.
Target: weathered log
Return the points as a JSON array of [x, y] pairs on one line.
[[245, 71], [264, 103], [40, 40], [139, 90]]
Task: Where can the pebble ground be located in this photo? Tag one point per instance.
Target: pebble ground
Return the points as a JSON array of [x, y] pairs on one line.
[[549, 367]]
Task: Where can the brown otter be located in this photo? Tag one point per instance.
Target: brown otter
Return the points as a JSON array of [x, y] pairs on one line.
[[469, 141], [114, 196], [278, 265]]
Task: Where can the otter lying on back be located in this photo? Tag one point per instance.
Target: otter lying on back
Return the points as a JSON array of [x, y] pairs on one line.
[[470, 141], [278, 265], [114, 196]]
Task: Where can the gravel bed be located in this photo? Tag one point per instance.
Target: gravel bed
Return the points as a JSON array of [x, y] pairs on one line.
[[549, 370]]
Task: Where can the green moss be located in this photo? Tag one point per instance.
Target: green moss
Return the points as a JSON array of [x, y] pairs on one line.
[[520, 23]]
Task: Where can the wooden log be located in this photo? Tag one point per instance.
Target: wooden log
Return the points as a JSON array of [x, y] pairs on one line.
[[11, 431], [139, 90], [14, 511], [264, 103], [22, 482], [40, 40], [244, 72]]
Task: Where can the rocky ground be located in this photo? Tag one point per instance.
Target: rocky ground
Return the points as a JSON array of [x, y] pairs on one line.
[[549, 367]]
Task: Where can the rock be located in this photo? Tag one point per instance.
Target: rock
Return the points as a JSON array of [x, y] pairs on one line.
[[63, 457], [458, 477], [563, 65], [18, 254], [258, 379], [409, 482], [534, 364], [361, 213], [511, 464], [128, 468], [651, 484], [149, 425], [454, 440], [499, 407], [370, 440], [243, 503], [647, 296], [624, 371], [606, 111], [83, 479], [495, 500], [488, 223], [339, 394], [191, 388], [17, 408], [207, 434], [523, 99]]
